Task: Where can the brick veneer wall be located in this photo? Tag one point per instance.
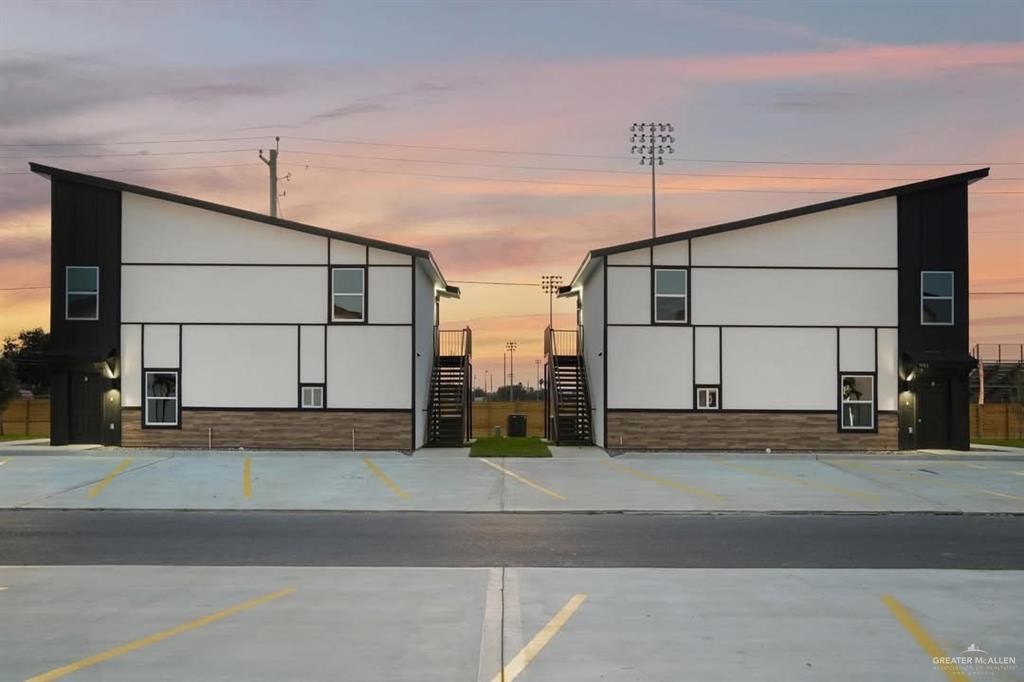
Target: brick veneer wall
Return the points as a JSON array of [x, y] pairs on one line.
[[284, 429], [743, 431]]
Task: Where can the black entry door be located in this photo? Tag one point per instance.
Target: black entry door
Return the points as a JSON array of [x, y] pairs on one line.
[[933, 413], [86, 407]]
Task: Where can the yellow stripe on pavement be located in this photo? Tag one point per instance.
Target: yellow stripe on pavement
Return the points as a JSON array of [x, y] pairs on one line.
[[247, 478], [927, 479], [385, 479], [98, 488], [522, 479], [159, 636], [690, 490], [924, 640], [3, 462], [799, 481], [540, 640]]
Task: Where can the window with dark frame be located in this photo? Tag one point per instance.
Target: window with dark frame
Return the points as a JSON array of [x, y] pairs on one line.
[[161, 407], [936, 297], [670, 294], [857, 402], [348, 294], [707, 398], [82, 292], [312, 397]]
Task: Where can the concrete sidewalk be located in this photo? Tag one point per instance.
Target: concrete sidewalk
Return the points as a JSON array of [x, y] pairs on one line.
[[576, 480]]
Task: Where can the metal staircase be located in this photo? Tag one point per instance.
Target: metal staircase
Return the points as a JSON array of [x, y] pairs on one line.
[[567, 406], [450, 400]]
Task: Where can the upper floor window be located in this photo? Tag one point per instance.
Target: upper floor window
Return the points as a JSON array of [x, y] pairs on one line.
[[348, 295], [936, 297], [670, 292], [82, 292], [857, 399]]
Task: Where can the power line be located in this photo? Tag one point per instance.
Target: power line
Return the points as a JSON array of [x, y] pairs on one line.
[[670, 188], [104, 144], [142, 170]]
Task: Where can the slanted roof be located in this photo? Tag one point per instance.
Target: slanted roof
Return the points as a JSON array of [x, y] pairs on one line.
[[912, 188], [118, 186]]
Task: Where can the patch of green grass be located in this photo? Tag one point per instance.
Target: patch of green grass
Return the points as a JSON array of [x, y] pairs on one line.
[[509, 447], [16, 436], [1010, 442]]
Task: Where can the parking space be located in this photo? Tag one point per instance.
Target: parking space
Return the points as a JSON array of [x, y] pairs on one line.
[[121, 623], [575, 480]]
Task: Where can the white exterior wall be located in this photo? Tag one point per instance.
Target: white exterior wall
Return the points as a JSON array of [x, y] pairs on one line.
[[673, 253], [131, 365], [793, 297], [390, 295], [779, 369], [650, 367], [239, 366], [636, 257], [369, 366], [158, 231], [706, 357], [347, 253], [888, 362], [592, 296], [311, 354], [424, 348], [160, 346], [862, 235], [382, 257], [203, 293], [857, 350], [629, 295]]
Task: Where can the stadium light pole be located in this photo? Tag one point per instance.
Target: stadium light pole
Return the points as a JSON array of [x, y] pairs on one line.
[[550, 284], [511, 348], [652, 141]]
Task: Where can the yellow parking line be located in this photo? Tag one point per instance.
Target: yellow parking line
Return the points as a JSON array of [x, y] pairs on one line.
[[98, 488], [159, 636], [521, 479], [247, 478], [3, 462], [924, 640], [927, 479], [385, 479], [799, 481], [690, 490], [540, 640]]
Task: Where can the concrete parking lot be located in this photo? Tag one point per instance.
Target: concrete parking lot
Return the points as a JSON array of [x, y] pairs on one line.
[[575, 480], [131, 623]]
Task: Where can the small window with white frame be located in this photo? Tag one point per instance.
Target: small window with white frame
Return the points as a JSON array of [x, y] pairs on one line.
[[708, 398], [670, 295], [936, 297], [312, 397], [348, 295], [82, 292], [857, 398], [161, 408]]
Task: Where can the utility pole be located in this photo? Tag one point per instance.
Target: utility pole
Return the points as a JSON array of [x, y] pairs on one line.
[[272, 165], [537, 362], [651, 141], [511, 348], [550, 284]]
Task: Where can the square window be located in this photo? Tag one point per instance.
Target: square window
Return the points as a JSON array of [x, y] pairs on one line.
[[707, 398], [82, 292], [857, 402], [936, 311], [161, 398], [348, 295], [312, 397], [670, 295]]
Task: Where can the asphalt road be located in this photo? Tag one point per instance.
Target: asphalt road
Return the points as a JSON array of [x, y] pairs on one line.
[[54, 537]]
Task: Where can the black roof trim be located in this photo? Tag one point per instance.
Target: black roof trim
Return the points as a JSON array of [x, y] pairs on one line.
[[922, 186], [105, 183]]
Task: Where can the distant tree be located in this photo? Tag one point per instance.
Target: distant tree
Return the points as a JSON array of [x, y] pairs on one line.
[[8, 387], [26, 352]]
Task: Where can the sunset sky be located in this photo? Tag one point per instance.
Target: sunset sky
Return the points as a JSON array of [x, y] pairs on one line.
[[496, 135]]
